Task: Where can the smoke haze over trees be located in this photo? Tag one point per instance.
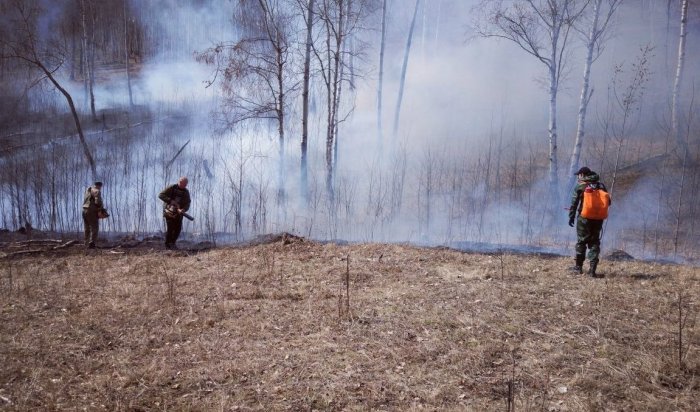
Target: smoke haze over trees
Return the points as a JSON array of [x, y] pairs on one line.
[[215, 90]]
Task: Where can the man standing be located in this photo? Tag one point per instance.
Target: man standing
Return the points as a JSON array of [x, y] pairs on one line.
[[92, 206], [177, 200], [588, 225]]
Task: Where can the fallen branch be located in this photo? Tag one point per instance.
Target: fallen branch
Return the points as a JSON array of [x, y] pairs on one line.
[[38, 241], [24, 252], [65, 245], [177, 154]]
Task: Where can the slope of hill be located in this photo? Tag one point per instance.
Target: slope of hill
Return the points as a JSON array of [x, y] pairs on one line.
[[292, 324]]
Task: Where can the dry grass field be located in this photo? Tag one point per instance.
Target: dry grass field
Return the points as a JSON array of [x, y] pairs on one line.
[[291, 324]]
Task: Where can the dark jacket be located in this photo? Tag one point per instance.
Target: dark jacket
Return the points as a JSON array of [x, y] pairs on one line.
[[173, 193], [577, 196]]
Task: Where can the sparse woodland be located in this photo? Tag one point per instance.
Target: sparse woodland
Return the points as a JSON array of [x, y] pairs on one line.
[[356, 129], [272, 127]]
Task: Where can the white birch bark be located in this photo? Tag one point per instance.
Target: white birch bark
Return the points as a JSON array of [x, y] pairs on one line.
[[675, 110], [553, 164], [542, 30], [593, 43], [585, 96]]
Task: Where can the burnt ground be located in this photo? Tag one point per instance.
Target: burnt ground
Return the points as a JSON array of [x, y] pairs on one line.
[[284, 323]]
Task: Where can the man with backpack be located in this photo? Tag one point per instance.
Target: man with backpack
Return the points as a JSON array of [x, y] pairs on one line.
[[176, 200], [590, 202], [93, 210]]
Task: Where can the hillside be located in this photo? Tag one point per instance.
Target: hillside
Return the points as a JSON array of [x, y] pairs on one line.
[[290, 324]]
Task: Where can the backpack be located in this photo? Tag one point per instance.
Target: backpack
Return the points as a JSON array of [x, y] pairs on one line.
[[596, 202]]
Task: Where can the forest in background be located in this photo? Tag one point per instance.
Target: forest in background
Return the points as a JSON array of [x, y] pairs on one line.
[[439, 122]]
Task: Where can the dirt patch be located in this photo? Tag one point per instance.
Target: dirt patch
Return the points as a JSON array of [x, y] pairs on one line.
[[291, 324]]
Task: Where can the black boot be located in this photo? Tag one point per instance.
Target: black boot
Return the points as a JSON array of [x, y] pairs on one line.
[[578, 268], [592, 269]]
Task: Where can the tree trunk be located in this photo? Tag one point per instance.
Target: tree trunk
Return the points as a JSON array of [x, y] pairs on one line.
[[280, 127], [342, 46], [397, 113], [74, 49], [553, 166], [126, 53], [585, 97], [380, 82], [675, 110], [334, 94], [91, 67], [76, 119], [85, 55], [679, 210], [305, 102], [666, 37]]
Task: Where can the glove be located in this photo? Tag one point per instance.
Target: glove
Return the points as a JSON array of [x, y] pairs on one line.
[[571, 222]]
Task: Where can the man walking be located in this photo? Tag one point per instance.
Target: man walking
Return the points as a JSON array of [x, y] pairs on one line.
[[92, 206], [177, 200], [590, 202]]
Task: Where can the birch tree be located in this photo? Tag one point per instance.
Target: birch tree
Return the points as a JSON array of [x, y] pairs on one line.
[[541, 28], [256, 73], [41, 52], [680, 66], [595, 42], [404, 68], [305, 99], [338, 19]]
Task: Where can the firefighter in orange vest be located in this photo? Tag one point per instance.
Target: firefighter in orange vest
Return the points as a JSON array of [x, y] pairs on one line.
[[587, 230]]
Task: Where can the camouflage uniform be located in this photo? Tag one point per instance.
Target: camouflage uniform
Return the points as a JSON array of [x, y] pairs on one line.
[[180, 197], [587, 230], [92, 204]]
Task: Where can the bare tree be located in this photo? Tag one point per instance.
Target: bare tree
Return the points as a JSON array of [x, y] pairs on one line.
[[42, 51], [404, 67], [594, 46], [305, 99], [88, 44], [627, 99], [380, 81], [126, 52], [684, 170], [338, 19], [541, 28], [675, 110], [255, 70]]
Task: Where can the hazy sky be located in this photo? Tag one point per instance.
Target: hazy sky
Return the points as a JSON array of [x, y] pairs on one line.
[[457, 86]]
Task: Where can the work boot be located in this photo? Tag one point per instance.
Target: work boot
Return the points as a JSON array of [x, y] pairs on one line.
[[591, 270], [578, 267]]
